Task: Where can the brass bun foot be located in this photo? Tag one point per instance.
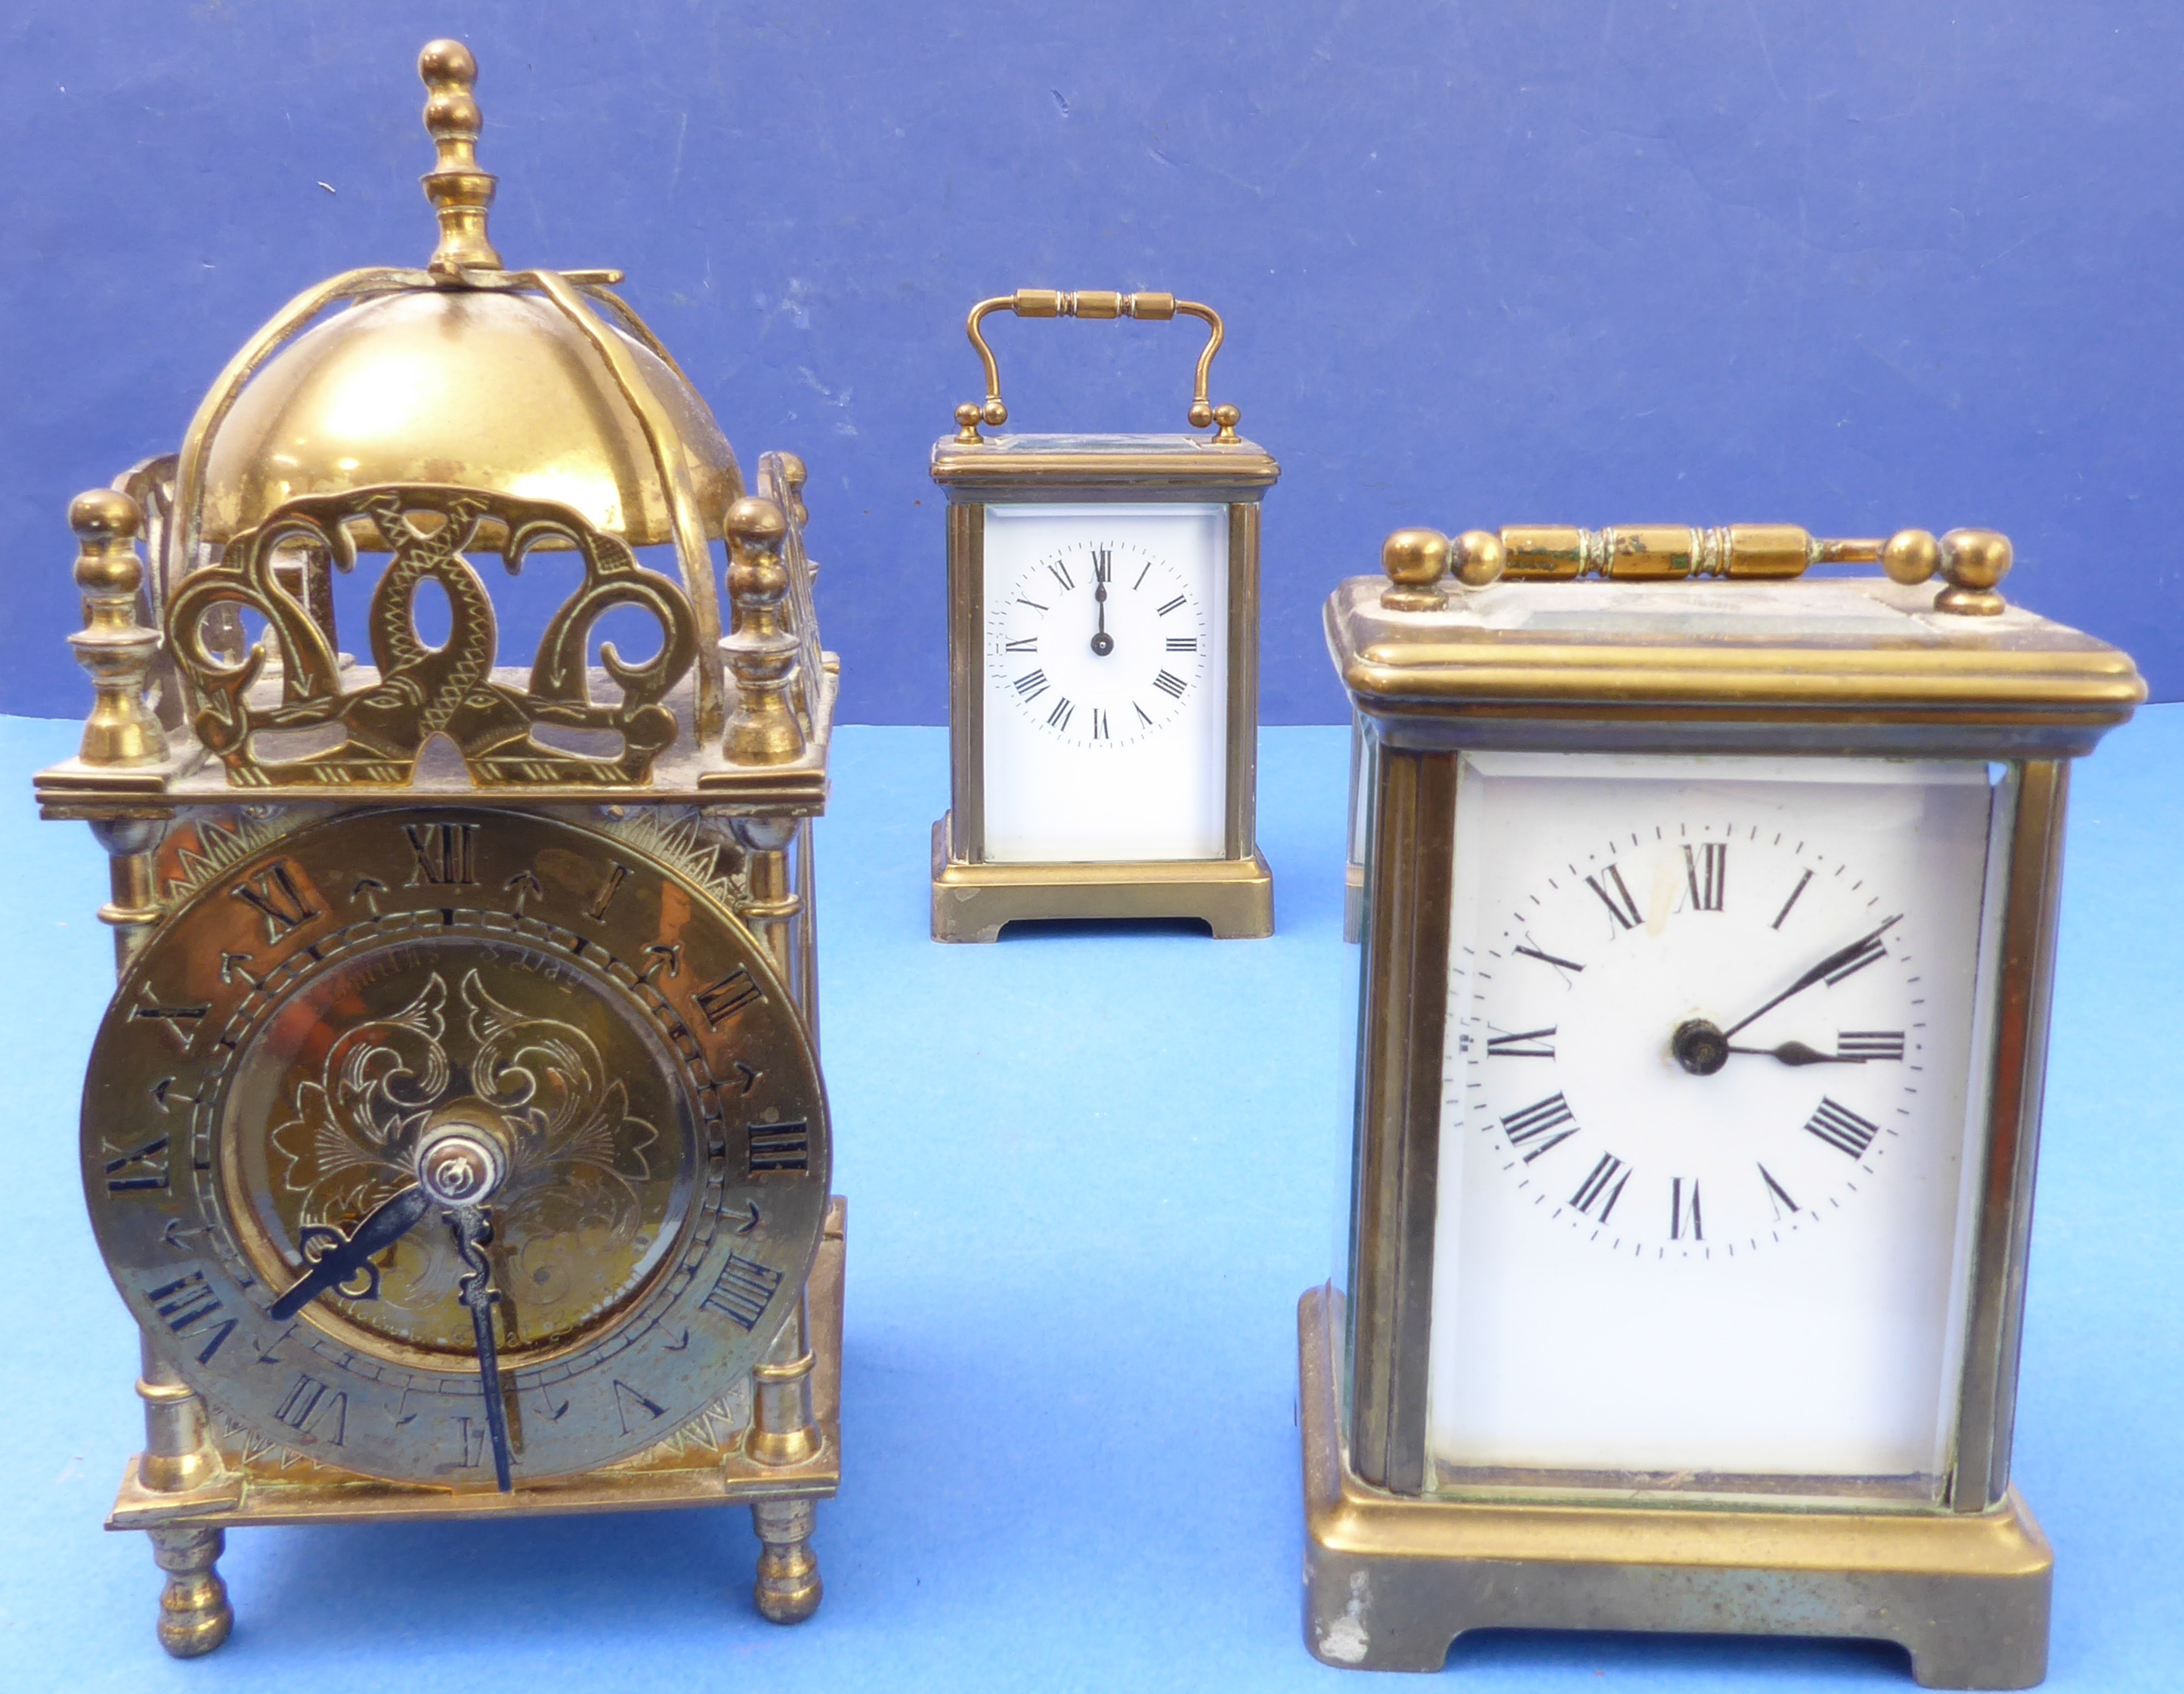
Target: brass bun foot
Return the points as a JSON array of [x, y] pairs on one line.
[[194, 1615], [1235, 898], [1390, 1582], [788, 1590]]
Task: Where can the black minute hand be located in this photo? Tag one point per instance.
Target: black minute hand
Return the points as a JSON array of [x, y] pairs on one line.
[[337, 1264], [1840, 962]]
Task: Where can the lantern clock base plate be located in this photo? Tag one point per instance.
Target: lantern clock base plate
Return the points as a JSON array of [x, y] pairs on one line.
[[1390, 1582], [699, 1466], [1235, 898]]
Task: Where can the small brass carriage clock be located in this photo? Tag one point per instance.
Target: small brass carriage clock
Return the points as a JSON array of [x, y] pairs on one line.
[[1103, 661], [456, 1135], [1709, 925]]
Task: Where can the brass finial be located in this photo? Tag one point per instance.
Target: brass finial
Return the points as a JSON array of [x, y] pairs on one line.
[[459, 191], [1415, 560], [113, 646], [1973, 560], [760, 653]]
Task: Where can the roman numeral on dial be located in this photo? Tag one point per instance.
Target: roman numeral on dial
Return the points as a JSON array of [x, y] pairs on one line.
[[1098, 724], [1706, 869], [1172, 605], [188, 1304], [1103, 564], [1170, 684], [1182, 644], [138, 1170], [727, 997], [1061, 575], [741, 1291], [1539, 1127], [444, 852], [1603, 1186], [1842, 1129], [1059, 717], [1028, 643], [780, 1147], [273, 893], [1874, 949], [1777, 1193], [1869, 1043], [1615, 897], [1684, 1221], [1524, 1045], [315, 1408], [1032, 684]]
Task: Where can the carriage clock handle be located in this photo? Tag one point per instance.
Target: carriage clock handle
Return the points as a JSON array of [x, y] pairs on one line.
[[1092, 303]]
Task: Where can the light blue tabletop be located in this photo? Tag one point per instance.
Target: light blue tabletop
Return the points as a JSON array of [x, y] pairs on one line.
[[1088, 1174]]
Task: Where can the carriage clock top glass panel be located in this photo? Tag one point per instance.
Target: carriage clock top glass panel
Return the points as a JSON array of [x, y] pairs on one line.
[[455, 1134], [1103, 661], [1708, 918]]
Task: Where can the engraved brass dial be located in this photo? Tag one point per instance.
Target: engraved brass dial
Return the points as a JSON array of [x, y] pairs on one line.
[[338, 1022]]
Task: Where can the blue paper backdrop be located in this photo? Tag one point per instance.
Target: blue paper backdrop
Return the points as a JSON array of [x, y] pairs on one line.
[[1854, 264]]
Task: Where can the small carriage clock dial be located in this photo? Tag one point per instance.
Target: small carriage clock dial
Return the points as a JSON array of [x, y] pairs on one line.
[[1103, 654], [455, 1136], [1708, 918]]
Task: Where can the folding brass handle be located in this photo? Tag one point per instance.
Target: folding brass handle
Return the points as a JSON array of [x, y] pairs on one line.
[[1970, 561], [1091, 303]]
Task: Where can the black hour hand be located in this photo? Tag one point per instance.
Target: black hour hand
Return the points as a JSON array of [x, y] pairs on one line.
[[346, 1257], [473, 1230], [1797, 1053]]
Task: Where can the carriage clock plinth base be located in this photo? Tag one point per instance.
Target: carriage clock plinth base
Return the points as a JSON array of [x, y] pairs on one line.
[[712, 1465], [1390, 1582], [1235, 898]]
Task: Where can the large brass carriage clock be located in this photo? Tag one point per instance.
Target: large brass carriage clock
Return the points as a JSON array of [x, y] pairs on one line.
[[456, 1135], [1103, 661], [1709, 923]]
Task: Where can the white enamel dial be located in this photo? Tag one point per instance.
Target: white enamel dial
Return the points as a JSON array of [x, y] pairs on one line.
[[1102, 641], [1105, 722], [1711, 1063], [1698, 1036]]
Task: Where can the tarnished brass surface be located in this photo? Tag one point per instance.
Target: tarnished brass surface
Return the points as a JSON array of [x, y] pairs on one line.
[[113, 646], [972, 901], [417, 691], [318, 1002], [702, 1464], [468, 1009], [494, 389], [1084, 469], [1093, 303], [1390, 1582], [1860, 666], [1971, 561], [381, 718], [1851, 665]]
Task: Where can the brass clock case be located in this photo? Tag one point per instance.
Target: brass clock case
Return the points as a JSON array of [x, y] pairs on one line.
[[322, 1004]]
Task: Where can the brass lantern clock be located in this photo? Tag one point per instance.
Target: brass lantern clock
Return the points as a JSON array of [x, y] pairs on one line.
[[1103, 660], [1709, 920], [455, 1135]]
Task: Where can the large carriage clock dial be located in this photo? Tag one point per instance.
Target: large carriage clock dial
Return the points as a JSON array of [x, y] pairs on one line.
[[455, 1136], [1709, 920], [1103, 642]]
